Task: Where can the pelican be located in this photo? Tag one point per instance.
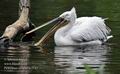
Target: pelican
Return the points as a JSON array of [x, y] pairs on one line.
[[83, 30], [71, 30]]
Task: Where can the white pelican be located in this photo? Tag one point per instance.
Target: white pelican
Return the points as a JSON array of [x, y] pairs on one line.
[[77, 31], [83, 30]]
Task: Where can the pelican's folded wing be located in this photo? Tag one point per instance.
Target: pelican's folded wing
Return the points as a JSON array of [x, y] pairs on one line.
[[92, 29]]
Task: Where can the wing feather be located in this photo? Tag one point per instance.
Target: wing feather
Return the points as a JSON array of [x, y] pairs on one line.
[[92, 28]]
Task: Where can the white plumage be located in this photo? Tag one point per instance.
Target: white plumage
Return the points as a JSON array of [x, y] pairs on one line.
[[83, 30]]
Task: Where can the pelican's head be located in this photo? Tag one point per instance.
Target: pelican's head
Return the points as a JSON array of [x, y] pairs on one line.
[[69, 15]]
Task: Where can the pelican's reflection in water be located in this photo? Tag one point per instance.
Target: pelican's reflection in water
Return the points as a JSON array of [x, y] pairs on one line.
[[71, 59]]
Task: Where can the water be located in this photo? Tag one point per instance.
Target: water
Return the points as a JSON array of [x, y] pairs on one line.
[[24, 58]]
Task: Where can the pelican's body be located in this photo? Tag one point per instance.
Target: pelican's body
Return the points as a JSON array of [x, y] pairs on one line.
[[81, 30]]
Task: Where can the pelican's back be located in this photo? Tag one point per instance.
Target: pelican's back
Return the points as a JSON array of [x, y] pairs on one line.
[[89, 29]]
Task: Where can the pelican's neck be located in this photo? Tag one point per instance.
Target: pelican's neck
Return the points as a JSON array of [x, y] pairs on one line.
[[63, 31], [61, 34]]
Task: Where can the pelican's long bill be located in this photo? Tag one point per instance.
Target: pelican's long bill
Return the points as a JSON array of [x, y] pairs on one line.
[[43, 25], [60, 22]]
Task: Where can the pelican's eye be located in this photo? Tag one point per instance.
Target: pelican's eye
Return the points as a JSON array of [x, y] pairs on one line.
[[67, 15]]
